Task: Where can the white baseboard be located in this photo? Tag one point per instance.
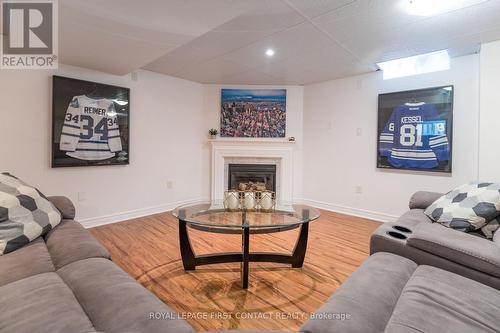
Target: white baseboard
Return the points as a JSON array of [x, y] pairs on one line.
[[133, 214], [124, 216], [368, 214]]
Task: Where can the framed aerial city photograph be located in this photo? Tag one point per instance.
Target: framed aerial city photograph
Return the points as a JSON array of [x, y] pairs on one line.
[[90, 123], [254, 113], [415, 130]]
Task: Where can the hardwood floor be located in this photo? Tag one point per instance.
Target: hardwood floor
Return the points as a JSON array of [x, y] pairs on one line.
[[211, 298]]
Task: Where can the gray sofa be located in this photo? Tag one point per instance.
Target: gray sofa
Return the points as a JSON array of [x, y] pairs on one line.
[[392, 294], [66, 282], [414, 236]]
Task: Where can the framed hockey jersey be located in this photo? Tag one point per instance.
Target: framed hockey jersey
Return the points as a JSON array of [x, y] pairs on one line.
[[90, 123], [415, 130]]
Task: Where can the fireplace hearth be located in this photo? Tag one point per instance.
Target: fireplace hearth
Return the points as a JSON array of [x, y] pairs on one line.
[[254, 177]]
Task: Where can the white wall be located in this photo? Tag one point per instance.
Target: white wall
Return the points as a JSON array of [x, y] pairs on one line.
[[489, 139], [167, 139], [336, 160], [294, 125]]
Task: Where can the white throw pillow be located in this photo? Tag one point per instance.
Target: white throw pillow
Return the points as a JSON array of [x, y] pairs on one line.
[[25, 214], [468, 207]]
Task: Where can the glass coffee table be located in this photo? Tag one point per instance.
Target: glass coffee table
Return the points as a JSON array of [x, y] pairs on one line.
[[212, 217]]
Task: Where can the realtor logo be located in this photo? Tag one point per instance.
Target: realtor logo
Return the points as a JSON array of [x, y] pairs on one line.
[[29, 38]]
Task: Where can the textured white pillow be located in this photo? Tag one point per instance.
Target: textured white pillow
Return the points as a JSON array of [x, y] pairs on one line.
[[468, 207], [25, 214]]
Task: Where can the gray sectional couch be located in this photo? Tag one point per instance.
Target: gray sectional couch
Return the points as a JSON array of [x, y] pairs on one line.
[[428, 243], [420, 277], [392, 294], [66, 282]]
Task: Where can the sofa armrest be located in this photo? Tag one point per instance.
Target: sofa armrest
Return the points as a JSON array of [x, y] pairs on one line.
[[423, 199], [367, 298], [470, 251], [69, 241], [65, 206]]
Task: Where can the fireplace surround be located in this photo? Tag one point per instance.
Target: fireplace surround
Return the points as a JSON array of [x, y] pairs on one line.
[[240, 151]]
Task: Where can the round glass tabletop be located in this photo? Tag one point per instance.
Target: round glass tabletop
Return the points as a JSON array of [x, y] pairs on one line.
[[213, 214]]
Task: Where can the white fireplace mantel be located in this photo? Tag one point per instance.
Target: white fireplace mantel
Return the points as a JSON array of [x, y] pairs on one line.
[[272, 151]]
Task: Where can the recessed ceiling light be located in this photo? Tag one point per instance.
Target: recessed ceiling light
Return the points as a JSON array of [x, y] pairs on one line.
[[269, 52], [435, 7], [419, 64]]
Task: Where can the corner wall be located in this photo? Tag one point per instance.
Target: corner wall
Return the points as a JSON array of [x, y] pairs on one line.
[[489, 139], [167, 139], [294, 124], [337, 160]]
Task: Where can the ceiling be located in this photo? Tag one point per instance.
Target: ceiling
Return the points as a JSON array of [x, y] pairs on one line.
[[224, 41]]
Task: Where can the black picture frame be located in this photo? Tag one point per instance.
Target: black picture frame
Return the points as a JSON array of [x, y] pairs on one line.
[[78, 94], [431, 148]]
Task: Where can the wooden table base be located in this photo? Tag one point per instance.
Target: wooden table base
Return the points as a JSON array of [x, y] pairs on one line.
[[190, 260]]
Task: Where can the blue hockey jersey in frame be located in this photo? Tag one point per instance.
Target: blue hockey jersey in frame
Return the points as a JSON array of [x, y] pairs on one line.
[[415, 137]]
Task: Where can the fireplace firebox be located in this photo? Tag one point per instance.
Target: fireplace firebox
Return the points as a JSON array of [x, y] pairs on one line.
[[258, 177]]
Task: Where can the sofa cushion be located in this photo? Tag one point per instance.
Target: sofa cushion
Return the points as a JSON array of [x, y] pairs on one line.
[[468, 207], [114, 301], [25, 214], [70, 242], [29, 260], [41, 303], [467, 250], [368, 297], [435, 300]]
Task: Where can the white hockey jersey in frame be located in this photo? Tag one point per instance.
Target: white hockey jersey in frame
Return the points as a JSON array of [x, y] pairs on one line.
[[90, 131]]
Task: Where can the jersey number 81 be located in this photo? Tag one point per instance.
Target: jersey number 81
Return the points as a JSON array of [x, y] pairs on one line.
[[411, 135]]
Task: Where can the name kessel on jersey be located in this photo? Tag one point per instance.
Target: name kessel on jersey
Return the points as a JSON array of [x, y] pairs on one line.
[[90, 130]]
